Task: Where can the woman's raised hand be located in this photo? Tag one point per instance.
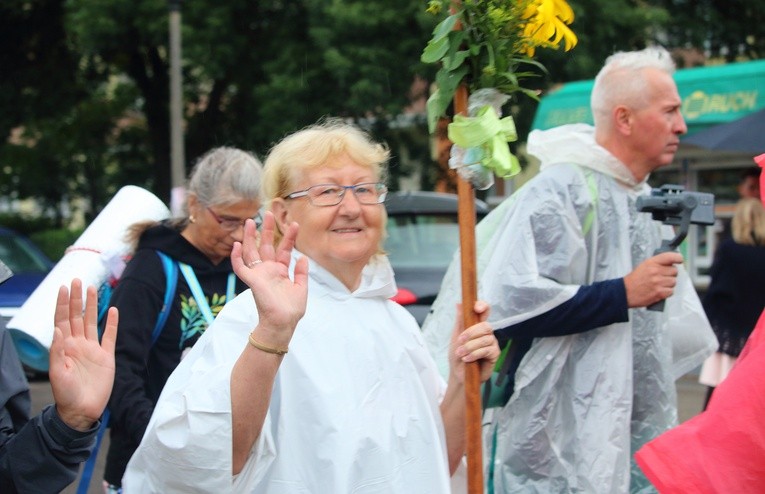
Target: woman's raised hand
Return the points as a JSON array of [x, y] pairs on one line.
[[281, 301]]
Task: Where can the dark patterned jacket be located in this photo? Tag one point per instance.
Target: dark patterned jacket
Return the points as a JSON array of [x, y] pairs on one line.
[[142, 368]]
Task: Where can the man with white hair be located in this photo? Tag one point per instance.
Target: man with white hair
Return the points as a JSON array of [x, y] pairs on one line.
[[568, 267]]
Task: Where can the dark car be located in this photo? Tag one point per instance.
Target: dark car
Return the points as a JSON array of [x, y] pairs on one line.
[[29, 266], [423, 235]]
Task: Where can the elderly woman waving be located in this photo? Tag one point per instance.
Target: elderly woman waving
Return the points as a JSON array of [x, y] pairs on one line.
[[314, 381]]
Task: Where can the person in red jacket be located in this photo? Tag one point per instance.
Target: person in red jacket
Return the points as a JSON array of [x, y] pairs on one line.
[[721, 450]]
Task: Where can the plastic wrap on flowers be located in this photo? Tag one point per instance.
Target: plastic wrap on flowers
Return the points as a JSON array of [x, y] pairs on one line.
[[467, 162], [480, 140]]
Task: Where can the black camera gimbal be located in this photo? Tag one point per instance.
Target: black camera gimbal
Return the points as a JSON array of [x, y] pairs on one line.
[[673, 205]]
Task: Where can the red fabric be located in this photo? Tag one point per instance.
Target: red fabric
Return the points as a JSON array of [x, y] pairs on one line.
[[757, 338], [760, 160], [721, 450]]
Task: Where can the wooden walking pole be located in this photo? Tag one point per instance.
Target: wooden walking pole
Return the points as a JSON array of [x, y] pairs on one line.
[[486, 56], [466, 216]]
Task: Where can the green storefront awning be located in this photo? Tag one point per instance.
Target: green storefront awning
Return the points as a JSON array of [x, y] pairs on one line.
[[711, 96]]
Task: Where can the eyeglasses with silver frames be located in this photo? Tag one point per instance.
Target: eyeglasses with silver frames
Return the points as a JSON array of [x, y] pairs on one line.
[[332, 194]]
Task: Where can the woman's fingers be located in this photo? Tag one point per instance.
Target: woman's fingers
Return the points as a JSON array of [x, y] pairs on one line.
[[482, 309], [266, 251], [477, 342], [75, 308], [109, 337], [244, 254], [61, 315], [284, 252], [91, 314]]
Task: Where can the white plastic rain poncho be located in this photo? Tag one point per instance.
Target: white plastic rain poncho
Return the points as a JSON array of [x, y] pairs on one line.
[[355, 405], [582, 403]]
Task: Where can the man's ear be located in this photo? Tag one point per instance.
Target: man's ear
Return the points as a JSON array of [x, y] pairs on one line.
[[281, 214], [623, 120]]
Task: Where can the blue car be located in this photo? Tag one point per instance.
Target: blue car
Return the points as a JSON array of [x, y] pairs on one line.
[[29, 266]]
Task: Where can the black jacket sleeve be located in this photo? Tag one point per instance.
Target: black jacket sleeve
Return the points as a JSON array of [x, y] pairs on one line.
[[593, 306], [45, 455], [38, 455], [139, 297]]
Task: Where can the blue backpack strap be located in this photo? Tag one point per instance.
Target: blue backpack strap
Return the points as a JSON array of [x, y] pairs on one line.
[[87, 470], [104, 296], [170, 266], [197, 293], [230, 287]]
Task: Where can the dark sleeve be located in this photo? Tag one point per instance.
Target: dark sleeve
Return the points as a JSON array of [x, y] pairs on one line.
[[16, 405], [14, 389], [717, 288], [139, 297], [44, 455], [38, 455], [593, 306]]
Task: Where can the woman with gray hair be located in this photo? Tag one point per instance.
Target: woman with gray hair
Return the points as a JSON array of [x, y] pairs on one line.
[[223, 192]]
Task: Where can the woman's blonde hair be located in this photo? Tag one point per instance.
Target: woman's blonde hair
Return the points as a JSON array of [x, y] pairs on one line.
[[316, 146], [748, 225]]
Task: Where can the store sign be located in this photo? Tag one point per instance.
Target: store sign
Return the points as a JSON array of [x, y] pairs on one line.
[[711, 96]]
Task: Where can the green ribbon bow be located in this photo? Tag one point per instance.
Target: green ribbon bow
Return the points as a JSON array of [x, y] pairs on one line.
[[490, 133]]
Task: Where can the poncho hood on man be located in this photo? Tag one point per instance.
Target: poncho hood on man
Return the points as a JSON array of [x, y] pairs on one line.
[[583, 402]]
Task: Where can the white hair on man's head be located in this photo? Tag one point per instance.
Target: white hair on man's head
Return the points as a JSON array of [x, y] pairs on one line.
[[621, 81]]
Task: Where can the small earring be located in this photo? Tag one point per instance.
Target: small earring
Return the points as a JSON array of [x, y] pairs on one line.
[[192, 219]]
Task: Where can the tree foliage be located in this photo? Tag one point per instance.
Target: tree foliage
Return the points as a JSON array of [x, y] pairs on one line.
[[254, 71], [730, 30], [85, 87]]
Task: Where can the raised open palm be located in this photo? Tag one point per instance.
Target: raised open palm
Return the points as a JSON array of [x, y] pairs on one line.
[[81, 369], [281, 301]]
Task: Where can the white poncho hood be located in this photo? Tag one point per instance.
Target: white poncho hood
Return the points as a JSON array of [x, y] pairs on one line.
[[581, 404]]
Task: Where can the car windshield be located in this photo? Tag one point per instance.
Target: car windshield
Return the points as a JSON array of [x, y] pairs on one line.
[[422, 241], [19, 256]]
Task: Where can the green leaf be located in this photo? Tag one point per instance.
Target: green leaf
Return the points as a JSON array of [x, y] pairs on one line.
[[511, 76], [531, 93], [436, 106], [455, 56], [439, 101], [454, 60], [446, 26], [448, 81], [435, 50]]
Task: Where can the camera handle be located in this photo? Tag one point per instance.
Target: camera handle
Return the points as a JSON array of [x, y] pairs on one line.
[[674, 243]]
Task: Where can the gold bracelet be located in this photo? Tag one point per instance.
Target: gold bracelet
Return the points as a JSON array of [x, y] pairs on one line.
[[267, 349]]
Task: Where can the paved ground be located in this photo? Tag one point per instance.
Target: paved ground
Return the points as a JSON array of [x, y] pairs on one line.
[[690, 402]]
